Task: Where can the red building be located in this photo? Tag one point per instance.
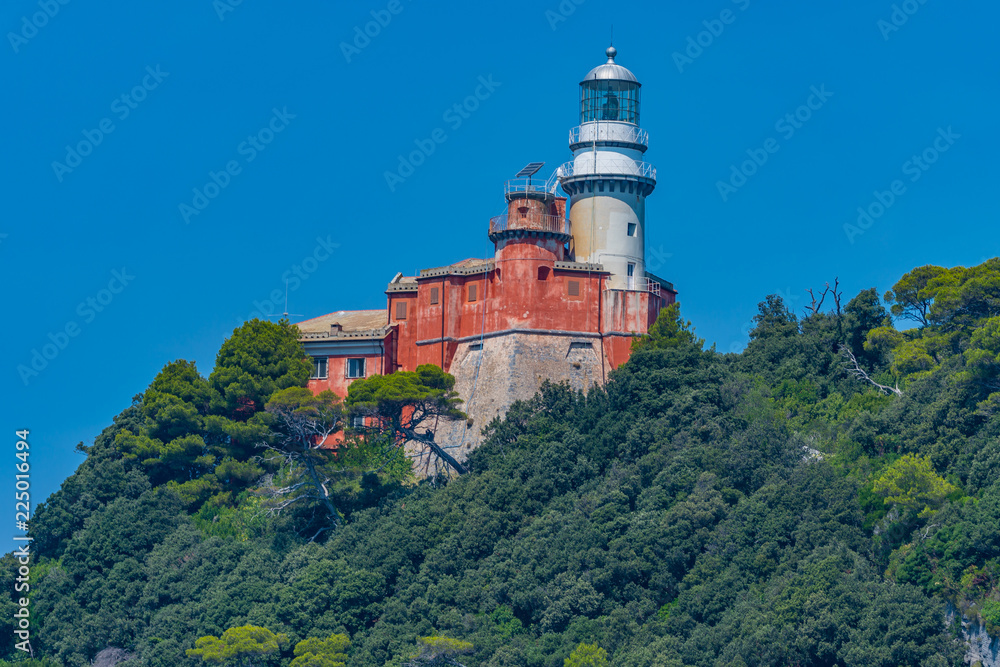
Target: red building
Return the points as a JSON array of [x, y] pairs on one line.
[[562, 298]]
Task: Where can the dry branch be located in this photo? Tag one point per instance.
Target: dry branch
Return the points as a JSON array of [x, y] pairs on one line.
[[854, 368]]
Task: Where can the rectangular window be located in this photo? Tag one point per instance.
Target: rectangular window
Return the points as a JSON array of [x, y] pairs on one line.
[[355, 368], [631, 276], [472, 293], [573, 287], [631, 228], [434, 296], [319, 369], [357, 421], [400, 310]]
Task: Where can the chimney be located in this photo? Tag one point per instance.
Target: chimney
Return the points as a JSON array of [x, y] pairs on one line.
[[335, 329]]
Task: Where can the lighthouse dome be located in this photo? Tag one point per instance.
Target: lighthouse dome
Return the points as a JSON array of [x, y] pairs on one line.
[[611, 71]]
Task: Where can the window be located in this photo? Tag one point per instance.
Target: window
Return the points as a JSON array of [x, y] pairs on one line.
[[573, 287], [357, 421], [631, 228], [543, 273], [607, 99], [434, 296], [319, 369], [472, 293], [400, 310], [355, 368], [631, 275]]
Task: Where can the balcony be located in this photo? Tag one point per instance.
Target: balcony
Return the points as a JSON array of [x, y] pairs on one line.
[[637, 285], [530, 187], [602, 173], [533, 222], [609, 133], [606, 167]]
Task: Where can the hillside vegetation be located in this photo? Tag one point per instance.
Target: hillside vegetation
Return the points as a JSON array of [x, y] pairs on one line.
[[815, 500]]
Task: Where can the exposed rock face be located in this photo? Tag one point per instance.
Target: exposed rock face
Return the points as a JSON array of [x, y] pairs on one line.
[[110, 657], [981, 649]]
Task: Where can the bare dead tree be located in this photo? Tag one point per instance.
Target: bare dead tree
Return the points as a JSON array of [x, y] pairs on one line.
[[815, 306], [415, 427], [854, 368], [301, 425], [925, 534]]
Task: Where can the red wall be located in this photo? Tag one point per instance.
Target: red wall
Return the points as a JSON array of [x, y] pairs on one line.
[[336, 380]]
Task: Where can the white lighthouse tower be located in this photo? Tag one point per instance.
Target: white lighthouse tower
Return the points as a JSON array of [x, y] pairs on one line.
[[607, 180]]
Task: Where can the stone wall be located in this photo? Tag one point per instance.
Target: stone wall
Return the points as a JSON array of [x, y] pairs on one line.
[[512, 367]]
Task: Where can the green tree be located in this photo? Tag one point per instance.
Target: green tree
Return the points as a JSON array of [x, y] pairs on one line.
[[982, 357], [773, 320], [405, 405], [668, 331], [911, 483], [439, 651], [257, 360], [862, 314], [964, 296], [244, 646], [315, 652], [587, 655], [912, 295]]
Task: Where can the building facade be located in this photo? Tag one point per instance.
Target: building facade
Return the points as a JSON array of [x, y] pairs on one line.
[[562, 298]]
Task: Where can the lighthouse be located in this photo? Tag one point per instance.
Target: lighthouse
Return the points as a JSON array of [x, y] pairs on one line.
[[562, 296], [608, 180]]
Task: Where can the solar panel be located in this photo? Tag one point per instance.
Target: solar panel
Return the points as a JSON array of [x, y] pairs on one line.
[[530, 170]]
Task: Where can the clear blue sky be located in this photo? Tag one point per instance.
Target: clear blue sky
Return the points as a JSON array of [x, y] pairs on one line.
[[217, 73]]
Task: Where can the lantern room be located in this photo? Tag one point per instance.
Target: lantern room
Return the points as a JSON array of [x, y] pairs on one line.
[[609, 92]]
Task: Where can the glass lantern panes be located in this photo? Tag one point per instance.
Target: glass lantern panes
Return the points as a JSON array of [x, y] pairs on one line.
[[612, 100]]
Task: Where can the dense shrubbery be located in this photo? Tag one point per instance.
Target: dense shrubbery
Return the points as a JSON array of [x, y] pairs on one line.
[[766, 508]]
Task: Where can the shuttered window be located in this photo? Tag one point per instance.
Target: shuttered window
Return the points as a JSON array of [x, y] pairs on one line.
[[319, 369], [434, 295], [355, 368], [573, 287], [473, 292], [401, 310]]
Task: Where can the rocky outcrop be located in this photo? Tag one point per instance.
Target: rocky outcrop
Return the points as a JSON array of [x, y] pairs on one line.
[[982, 650]]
